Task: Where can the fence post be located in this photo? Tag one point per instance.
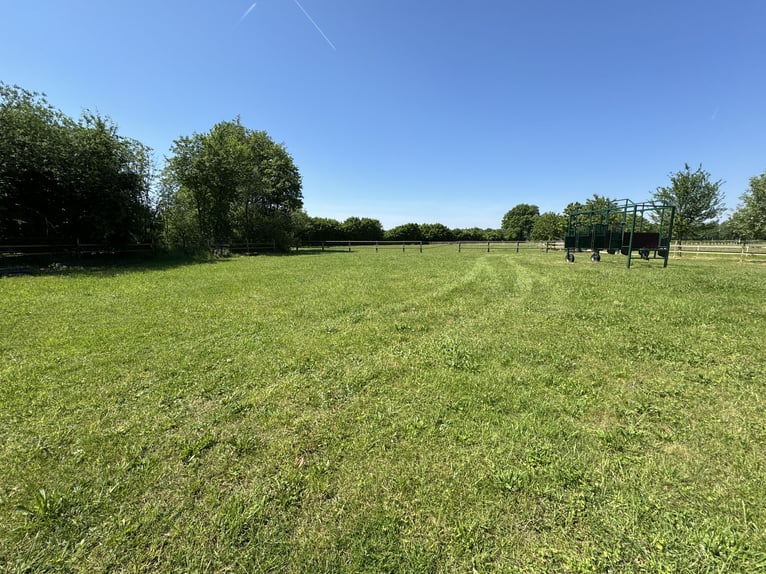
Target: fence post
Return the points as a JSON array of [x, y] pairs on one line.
[[421, 247], [488, 246], [403, 246], [517, 247], [376, 246], [459, 246]]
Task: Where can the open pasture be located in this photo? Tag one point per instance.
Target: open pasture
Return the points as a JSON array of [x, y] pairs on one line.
[[385, 412]]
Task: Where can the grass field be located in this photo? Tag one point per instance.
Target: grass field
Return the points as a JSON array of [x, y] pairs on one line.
[[389, 412]]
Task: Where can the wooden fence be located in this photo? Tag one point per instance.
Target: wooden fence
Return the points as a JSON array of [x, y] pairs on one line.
[[682, 249], [349, 246], [74, 250], [714, 248], [743, 249]]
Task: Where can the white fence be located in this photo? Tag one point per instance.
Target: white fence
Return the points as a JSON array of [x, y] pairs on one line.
[[743, 249]]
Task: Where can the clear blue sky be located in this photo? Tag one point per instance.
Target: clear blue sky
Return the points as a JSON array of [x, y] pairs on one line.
[[421, 110]]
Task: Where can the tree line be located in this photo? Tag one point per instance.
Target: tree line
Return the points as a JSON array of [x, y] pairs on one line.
[[698, 202], [66, 181]]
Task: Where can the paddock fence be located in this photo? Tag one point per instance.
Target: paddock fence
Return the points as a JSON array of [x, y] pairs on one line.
[[701, 249], [742, 249], [349, 246], [420, 246], [73, 250], [245, 248], [746, 250]]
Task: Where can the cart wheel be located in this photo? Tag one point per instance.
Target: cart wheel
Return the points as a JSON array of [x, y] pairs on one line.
[[596, 257], [570, 257]]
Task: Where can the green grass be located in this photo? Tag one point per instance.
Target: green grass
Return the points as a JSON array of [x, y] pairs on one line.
[[389, 412]]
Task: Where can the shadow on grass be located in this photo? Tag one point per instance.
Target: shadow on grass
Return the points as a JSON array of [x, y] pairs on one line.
[[14, 266], [106, 264]]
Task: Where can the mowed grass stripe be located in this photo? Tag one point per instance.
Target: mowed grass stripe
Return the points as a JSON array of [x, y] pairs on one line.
[[385, 412]]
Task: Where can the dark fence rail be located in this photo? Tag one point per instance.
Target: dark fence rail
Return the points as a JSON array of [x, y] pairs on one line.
[[490, 246], [245, 248], [744, 249], [349, 246], [75, 250]]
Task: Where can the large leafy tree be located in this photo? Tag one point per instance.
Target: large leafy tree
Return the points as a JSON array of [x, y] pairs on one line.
[[324, 229], [33, 141], [63, 181], [518, 222], [243, 186], [697, 200], [600, 202], [749, 219], [361, 229], [405, 232], [113, 175], [436, 232], [595, 205], [548, 226], [470, 234]]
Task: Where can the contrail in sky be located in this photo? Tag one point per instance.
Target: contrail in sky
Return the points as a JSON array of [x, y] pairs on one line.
[[247, 12], [314, 23]]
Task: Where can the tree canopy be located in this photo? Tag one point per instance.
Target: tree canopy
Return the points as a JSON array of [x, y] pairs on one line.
[[66, 181], [548, 226], [239, 184], [749, 219], [361, 229], [518, 222], [697, 200], [405, 232], [436, 232]]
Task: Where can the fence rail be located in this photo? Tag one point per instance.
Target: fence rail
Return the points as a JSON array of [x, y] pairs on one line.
[[742, 249], [488, 246], [677, 249], [348, 246], [76, 250], [245, 248]]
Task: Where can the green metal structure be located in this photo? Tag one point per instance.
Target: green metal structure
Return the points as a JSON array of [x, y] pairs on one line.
[[622, 227]]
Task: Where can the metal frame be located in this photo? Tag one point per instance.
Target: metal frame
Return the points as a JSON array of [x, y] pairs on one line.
[[614, 229]]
